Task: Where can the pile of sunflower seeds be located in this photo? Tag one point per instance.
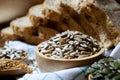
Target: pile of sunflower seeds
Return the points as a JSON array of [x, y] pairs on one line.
[[69, 45], [13, 54], [105, 69]]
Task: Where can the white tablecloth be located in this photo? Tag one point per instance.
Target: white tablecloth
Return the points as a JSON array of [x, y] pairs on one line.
[[77, 73]]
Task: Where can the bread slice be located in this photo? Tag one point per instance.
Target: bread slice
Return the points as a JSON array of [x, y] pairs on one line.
[[72, 8], [56, 13], [36, 15], [38, 18], [8, 34], [23, 26], [98, 20], [112, 8], [94, 17], [113, 32], [44, 33]]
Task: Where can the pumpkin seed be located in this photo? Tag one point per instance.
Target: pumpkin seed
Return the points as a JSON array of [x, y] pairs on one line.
[[105, 69]]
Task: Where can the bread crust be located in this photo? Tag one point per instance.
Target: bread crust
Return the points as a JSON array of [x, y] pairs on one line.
[[43, 20], [99, 18], [113, 32], [75, 10], [58, 14]]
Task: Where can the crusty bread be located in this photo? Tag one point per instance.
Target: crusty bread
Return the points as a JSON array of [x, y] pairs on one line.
[[44, 33], [38, 18], [112, 8], [98, 20], [36, 15], [8, 34], [23, 26], [58, 14], [113, 32], [75, 10], [94, 17]]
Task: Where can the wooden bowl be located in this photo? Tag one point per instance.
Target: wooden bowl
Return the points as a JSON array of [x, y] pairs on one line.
[[47, 64], [12, 72], [90, 77]]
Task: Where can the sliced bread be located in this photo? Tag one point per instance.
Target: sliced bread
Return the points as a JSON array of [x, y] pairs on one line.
[[38, 18], [36, 15], [56, 13], [23, 26], [113, 32], [8, 34], [95, 17], [72, 8], [112, 8], [98, 19]]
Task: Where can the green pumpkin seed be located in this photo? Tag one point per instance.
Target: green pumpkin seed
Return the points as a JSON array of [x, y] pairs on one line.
[[105, 69], [117, 77]]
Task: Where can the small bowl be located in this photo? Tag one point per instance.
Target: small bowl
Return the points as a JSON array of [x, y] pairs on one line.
[[47, 64], [12, 72]]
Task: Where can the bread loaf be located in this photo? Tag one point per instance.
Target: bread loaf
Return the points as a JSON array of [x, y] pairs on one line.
[[94, 18], [98, 19], [112, 9], [36, 15], [23, 26], [86, 16]]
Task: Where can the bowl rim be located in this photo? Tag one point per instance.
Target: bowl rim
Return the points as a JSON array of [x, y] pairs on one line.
[[76, 59]]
